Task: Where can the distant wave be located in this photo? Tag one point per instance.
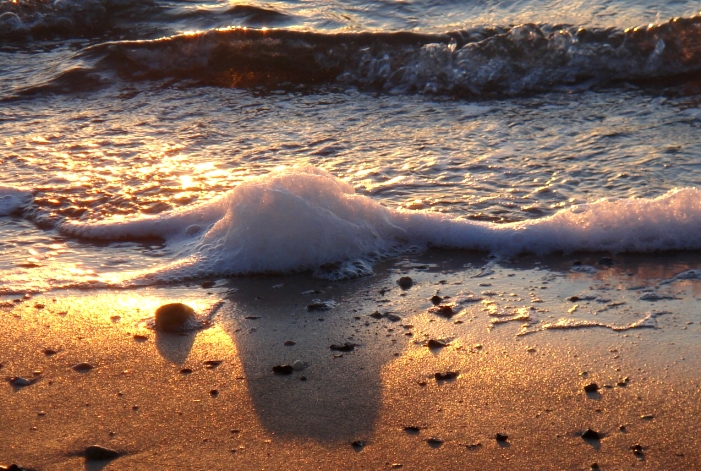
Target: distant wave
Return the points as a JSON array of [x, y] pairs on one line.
[[304, 219], [480, 62]]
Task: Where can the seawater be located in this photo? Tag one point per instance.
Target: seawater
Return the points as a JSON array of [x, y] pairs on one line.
[[155, 142]]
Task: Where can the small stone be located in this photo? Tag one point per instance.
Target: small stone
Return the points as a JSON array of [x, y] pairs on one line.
[[211, 364], [175, 317], [13, 467], [19, 382], [140, 338], [412, 429], [100, 453], [82, 367], [591, 387], [344, 347], [647, 417], [444, 310], [590, 434], [214, 392], [606, 261], [434, 441], [501, 437], [186, 371], [207, 284], [392, 317], [298, 365], [436, 300], [396, 465], [289, 343], [49, 351], [448, 375], [405, 282], [376, 315], [436, 343], [282, 369], [302, 378], [319, 305], [358, 445]]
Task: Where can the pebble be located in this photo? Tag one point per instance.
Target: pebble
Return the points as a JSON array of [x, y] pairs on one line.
[[99, 453], [140, 338], [175, 317], [282, 369], [647, 417], [412, 429], [82, 367], [289, 343], [211, 364], [591, 387], [436, 343], [214, 392], [405, 282], [500, 437], [49, 351], [436, 300], [434, 441], [444, 310], [186, 371], [344, 347], [19, 381], [298, 365], [13, 467], [358, 445], [448, 375], [318, 305], [637, 449], [590, 434]]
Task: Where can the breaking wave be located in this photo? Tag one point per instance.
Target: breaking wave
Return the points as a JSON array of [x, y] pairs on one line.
[[305, 219]]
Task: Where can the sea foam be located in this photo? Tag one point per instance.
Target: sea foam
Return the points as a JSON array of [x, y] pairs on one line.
[[303, 218], [13, 200]]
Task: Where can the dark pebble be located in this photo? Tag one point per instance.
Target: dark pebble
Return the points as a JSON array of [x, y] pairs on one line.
[[376, 315], [49, 351], [318, 305], [405, 282], [140, 338], [19, 382], [345, 347], [186, 371], [82, 367], [99, 453], [591, 387], [442, 310], [433, 343], [574, 298], [590, 434], [302, 378], [448, 375], [283, 369], [250, 318], [207, 284], [289, 343], [13, 467], [211, 364], [501, 437], [392, 317], [175, 317], [434, 441], [436, 300], [606, 261], [214, 392], [358, 445], [412, 429]]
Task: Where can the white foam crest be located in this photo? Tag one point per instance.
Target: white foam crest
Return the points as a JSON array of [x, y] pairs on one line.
[[12, 200], [669, 222], [303, 218]]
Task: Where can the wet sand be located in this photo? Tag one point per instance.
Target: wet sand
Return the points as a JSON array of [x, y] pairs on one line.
[[209, 399]]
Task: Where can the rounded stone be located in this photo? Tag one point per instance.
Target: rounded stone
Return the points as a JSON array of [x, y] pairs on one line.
[[298, 365], [175, 317]]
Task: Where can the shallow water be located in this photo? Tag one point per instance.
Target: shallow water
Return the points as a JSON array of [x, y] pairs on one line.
[[492, 123]]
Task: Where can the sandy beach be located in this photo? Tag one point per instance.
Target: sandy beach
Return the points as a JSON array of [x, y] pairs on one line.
[[411, 385]]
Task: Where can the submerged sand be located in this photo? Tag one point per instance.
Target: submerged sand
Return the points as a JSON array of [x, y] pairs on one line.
[[210, 400]]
